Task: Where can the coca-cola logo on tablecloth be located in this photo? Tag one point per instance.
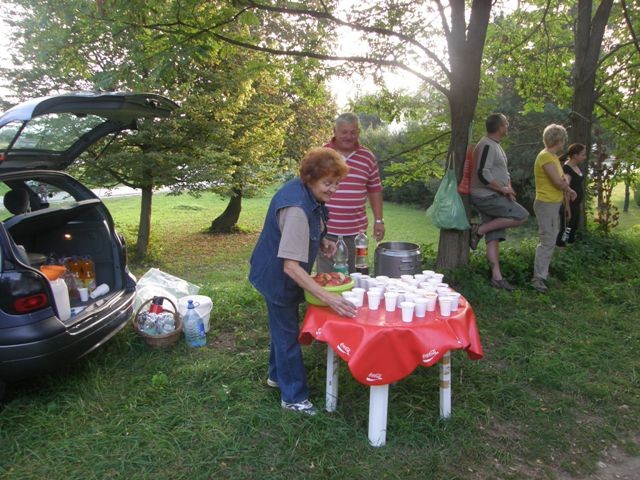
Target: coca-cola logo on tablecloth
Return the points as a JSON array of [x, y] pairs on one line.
[[430, 355], [374, 377], [344, 348]]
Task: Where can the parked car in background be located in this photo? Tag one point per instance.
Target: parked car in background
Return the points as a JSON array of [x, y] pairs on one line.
[[47, 214]]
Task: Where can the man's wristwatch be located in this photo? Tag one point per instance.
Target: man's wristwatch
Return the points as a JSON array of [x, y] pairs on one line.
[[380, 220]]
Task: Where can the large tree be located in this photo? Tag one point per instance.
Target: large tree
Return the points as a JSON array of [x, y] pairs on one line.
[[398, 35], [238, 107]]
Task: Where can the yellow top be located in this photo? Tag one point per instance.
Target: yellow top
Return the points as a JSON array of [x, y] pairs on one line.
[[545, 190]]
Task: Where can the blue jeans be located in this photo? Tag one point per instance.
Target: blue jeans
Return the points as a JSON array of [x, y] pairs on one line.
[[285, 358]]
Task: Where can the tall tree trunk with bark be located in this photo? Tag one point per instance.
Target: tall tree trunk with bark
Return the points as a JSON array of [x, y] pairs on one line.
[[588, 43], [227, 221], [466, 44], [144, 227]]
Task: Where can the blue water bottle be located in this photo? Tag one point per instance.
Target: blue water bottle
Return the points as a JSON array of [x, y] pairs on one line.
[[194, 332]]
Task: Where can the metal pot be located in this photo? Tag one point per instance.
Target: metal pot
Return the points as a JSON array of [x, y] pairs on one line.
[[397, 258]]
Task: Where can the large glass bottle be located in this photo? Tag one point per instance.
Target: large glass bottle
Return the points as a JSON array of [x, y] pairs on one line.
[[341, 257]]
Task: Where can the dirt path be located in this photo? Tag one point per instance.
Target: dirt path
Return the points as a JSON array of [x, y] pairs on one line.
[[616, 464]]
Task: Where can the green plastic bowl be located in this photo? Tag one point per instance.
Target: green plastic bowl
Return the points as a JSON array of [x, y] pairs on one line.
[[312, 299]]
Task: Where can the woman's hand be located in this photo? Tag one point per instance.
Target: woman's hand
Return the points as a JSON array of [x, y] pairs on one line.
[[328, 248], [340, 305]]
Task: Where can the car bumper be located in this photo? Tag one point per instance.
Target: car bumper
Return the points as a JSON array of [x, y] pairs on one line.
[[37, 354]]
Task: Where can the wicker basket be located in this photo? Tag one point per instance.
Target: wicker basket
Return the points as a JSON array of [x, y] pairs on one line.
[[159, 341]]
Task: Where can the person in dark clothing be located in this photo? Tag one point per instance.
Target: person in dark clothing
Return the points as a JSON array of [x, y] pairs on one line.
[[294, 232], [570, 217]]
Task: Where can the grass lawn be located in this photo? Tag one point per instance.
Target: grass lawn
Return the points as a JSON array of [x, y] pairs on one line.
[[558, 385]]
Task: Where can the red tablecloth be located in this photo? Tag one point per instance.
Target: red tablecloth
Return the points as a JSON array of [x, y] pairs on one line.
[[380, 348]]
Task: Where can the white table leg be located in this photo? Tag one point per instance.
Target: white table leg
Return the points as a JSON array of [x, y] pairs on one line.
[[378, 406], [331, 399], [445, 386]]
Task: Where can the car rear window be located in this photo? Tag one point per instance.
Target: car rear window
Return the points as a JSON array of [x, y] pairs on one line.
[[43, 195], [55, 132]]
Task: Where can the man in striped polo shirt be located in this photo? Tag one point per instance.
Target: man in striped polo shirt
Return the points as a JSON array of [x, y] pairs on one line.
[[347, 207]]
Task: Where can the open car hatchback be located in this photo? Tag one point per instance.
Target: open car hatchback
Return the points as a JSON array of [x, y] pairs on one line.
[[47, 214]]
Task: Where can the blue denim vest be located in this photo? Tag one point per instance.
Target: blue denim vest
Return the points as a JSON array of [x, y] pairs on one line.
[[267, 270]]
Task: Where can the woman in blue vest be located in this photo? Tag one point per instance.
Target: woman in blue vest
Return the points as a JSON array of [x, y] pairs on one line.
[[293, 232]]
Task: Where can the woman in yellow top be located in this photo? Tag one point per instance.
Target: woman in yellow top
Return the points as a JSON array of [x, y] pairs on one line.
[[551, 185]]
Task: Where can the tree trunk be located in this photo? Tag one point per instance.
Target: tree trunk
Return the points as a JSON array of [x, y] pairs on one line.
[[465, 57], [627, 193], [227, 221], [144, 227], [588, 42]]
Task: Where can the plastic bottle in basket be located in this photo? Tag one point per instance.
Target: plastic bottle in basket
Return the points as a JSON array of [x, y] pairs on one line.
[[194, 327], [341, 257], [362, 253]]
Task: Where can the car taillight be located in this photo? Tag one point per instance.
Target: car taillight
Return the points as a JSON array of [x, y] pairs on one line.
[[31, 303], [23, 291]]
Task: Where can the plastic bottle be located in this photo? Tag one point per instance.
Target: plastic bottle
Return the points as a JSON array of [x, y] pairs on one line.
[[88, 273], [194, 327], [341, 257], [362, 253], [156, 305]]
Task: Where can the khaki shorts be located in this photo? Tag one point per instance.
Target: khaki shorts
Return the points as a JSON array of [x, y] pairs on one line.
[[498, 206]]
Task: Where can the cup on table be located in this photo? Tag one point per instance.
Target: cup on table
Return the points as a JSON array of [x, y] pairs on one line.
[[419, 292], [352, 297], [406, 278], [421, 306], [442, 285], [355, 276], [428, 273], [407, 311], [372, 283], [373, 299], [84, 294], [445, 305], [431, 301], [382, 278], [438, 276], [420, 277], [428, 286], [364, 281], [390, 301], [455, 300], [359, 292], [401, 293]]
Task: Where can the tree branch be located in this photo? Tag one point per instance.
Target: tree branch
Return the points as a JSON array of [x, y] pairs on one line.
[[625, 13], [362, 28], [617, 117], [347, 58]]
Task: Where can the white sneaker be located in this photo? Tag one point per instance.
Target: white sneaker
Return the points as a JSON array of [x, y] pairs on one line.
[[272, 383], [305, 407]]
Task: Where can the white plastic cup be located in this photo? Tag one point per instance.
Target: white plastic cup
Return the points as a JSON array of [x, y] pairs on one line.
[[356, 277], [84, 294], [420, 277], [406, 278], [421, 306], [438, 276], [372, 283], [445, 305], [428, 273], [431, 302], [352, 297], [407, 311], [401, 294], [359, 292], [390, 301], [373, 299], [100, 290], [455, 300], [442, 285], [364, 281], [420, 292]]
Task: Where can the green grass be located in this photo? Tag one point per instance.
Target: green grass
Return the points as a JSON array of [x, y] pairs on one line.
[[558, 383]]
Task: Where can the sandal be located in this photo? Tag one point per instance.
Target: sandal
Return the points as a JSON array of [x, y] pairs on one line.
[[474, 236], [502, 284]]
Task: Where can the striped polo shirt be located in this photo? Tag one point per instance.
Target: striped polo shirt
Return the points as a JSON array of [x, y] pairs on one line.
[[347, 207]]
